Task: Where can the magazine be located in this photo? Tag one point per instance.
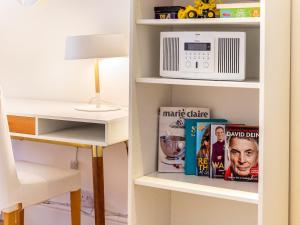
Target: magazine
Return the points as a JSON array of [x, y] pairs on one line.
[[203, 148], [171, 140], [190, 143], [217, 151], [242, 153]]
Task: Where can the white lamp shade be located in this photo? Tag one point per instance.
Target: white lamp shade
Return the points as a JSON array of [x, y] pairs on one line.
[[96, 46], [27, 2]]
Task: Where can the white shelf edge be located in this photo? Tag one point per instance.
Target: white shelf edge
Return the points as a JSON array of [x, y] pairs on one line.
[[51, 137], [71, 140], [249, 83], [254, 21], [198, 189]]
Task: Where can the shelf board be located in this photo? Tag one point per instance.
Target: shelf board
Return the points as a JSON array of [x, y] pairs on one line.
[[90, 134], [254, 21], [246, 192], [249, 83]]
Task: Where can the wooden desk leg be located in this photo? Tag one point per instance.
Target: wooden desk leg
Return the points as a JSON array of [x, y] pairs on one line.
[[98, 181]]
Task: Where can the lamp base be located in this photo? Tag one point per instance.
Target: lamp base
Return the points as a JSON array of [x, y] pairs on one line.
[[97, 108], [97, 105]]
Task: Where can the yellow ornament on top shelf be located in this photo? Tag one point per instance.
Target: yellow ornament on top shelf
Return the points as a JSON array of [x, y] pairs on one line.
[[202, 9]]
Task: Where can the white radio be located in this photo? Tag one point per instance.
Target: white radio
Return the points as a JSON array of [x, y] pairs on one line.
[[203, 55]]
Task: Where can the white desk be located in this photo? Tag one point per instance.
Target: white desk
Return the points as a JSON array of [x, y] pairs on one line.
[[59, 123]]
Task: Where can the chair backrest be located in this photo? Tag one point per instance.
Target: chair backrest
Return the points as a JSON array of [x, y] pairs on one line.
[[9, 183]]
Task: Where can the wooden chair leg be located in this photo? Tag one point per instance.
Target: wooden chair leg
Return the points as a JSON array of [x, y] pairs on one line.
[[13, 217], [21, 214], [75, 207]]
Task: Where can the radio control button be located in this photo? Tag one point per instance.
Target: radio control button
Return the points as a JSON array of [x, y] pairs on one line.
[[188, 63], [205, 65]]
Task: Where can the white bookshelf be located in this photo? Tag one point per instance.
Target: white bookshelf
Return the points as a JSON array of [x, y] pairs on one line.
[[262, 99], [217, 188], [249, 83], [245, 22]]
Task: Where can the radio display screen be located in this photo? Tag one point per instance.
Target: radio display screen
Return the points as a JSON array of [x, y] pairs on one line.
[[197, 46]]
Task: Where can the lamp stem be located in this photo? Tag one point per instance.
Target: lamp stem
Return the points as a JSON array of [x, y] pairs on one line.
[[97, 77]]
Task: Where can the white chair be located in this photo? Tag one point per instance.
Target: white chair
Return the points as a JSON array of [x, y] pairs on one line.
[[23, 184]]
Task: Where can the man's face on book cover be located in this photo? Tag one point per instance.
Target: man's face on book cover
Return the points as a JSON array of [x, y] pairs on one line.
[[219, 134], [243, 155]]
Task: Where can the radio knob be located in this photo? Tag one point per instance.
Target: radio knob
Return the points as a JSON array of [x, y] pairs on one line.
[[188, 63], [205, 65]]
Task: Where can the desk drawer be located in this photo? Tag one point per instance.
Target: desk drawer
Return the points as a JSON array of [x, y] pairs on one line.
[[21, 124]]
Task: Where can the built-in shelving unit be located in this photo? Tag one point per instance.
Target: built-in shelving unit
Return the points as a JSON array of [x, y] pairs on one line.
[[262, 99], [236, 191], [250, 83], [245, 22]]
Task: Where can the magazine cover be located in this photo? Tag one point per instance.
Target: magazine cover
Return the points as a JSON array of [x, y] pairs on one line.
[[217, 151], [190, 143], [203, 148], [171, 140], [241, 153]]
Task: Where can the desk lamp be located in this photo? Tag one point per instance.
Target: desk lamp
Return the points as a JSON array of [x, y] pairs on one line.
[[97, 46]]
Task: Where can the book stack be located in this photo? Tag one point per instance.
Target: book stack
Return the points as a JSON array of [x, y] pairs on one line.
[[238, 10], [191, 142]]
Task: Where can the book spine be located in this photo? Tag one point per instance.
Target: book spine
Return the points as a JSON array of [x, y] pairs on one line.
[[240, 12]]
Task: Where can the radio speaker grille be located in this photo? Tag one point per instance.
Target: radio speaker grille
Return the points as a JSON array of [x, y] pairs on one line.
[[228, 55], [171, 54]]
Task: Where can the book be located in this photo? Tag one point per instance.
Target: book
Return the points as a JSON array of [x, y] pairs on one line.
[[239, 5], [167, 12], [202, 148], [190, 143], [242, 153], [217, 151], [237, 10], [171, 138]]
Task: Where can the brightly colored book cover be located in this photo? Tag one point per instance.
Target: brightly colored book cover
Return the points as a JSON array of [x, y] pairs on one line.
[[242, 153], [236, 10], [203, 148], [171, 139], [217, 151], [190, 143]]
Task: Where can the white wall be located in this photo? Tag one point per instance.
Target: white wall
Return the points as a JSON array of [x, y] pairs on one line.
[[32, 65], [32, 43]]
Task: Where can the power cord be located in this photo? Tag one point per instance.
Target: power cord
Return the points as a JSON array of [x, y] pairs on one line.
[[74, 163]]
